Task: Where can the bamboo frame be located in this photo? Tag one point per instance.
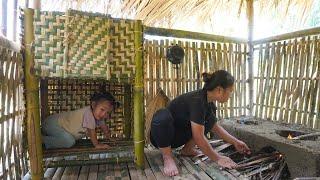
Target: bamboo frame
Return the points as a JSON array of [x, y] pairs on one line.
[[138, 97], [200, 56], [190, 35], [288, 79], [250, 15], [32, 101]]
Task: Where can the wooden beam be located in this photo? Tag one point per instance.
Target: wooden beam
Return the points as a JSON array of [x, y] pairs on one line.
[[250, 15], [190, 35]]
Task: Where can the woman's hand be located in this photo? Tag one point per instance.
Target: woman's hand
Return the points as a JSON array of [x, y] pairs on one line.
[[102, 146], [226, 162], [242, 147]]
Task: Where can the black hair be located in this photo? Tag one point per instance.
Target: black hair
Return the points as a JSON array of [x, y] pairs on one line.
[[102, 96], [218, 78]]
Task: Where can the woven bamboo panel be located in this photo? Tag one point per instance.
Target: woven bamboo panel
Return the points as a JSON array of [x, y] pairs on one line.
[[88, 40], [48, 43], [60, 95], [288, 81], [122, 62], [13, 156], [94, 45], [200, 56]]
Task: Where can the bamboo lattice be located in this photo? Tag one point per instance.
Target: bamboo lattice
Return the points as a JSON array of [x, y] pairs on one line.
[[200, 56], [67, 94], [13, 155], [288, 80]]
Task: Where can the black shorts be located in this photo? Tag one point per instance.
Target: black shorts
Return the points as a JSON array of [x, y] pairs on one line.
[[164, 132]]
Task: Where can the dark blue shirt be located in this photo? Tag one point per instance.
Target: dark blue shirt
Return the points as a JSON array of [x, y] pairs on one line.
[[192, 106]]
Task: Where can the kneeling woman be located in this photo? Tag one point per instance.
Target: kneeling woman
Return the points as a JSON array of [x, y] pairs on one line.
[[189, 117], [62, 130]]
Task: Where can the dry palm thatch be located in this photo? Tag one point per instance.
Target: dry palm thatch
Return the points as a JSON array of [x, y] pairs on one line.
[[194, 15], [154, 104]]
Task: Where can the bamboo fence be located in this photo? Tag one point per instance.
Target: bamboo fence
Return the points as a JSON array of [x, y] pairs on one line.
[[13, 155], [288, 78], [206, 55]]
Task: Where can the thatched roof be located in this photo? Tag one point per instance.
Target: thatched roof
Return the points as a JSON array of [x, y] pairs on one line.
[[225, 17]]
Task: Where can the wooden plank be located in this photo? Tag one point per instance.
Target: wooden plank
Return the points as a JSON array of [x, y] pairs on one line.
[[58, 174], [84, 172], [71, 173], [93, 169], [147, 170], [194, 169], [135, 173], [156, 168]]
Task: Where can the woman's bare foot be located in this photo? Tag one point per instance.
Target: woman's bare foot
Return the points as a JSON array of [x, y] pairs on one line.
[[170, 168], [189, 152]]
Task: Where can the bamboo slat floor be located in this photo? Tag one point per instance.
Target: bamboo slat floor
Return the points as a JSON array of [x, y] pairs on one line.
[[153, 170]]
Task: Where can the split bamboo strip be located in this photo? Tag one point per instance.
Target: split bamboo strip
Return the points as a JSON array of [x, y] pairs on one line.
[[32, 101], [138, 97]]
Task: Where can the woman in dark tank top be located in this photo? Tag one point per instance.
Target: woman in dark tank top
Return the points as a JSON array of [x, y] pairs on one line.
[[189, 117]]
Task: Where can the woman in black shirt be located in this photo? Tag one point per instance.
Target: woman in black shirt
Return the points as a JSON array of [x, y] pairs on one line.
[[189, 117]]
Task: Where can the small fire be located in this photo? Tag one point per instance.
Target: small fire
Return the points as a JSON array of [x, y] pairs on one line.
[[289, 136]]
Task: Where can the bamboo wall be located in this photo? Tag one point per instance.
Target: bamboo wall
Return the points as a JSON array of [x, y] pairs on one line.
[[288, 79], [200, 56], [13, 162]]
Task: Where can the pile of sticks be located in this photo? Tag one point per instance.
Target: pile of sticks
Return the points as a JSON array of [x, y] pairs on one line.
[[266, 164]]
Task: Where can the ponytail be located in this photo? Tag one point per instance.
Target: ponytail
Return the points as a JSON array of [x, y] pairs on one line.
[[218, 78]]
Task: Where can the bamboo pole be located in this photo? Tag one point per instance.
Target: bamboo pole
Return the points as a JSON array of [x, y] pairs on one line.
[[138, 97], [292, 35], [32, 100], [4, 17], [250, 14], [190, 35], [37, 4], [15, 14], [77, 162]]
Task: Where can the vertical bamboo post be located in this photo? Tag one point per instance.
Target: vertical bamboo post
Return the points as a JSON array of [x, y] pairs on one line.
[[4, 17], [250, 15], [15, 14], [32, 100], [37, 4], [138, 97]]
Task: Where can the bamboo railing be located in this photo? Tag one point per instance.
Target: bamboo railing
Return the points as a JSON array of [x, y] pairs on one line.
[[206, 55], [13, 155], [288, 78]]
